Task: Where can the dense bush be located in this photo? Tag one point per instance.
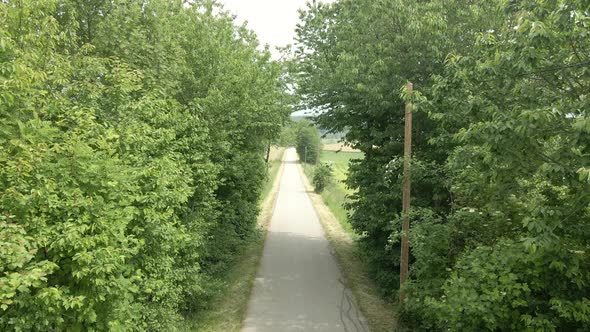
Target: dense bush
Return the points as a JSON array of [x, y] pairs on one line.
[[322, 176], [308, 143], [500, 191], [518, 162], [132, 138]]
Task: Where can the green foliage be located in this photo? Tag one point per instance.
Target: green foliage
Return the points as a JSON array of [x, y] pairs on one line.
[[516, 162], [353, 59], [336, 193], [505, 287], [308, 143], [288, 136], [130, 168], [500, 220], [322, 176]]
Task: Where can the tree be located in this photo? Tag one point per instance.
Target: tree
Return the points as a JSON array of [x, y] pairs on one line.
[[353, 57], [500, 181], [518, 121], [308, 142], [130, 168]]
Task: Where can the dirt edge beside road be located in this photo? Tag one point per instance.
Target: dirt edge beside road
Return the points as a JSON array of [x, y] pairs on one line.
[[379, 314], [266, 211], [229, 309]]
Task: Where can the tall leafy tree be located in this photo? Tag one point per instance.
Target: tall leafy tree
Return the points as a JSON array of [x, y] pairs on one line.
[[500, 171], [519, 119], [353, 57], [132, 143]]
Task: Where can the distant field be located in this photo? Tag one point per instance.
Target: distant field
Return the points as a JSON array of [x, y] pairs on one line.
[[338, 147], [340, 161]]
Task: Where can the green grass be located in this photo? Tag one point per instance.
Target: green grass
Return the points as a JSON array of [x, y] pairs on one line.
[[227, 308], [334, 195]]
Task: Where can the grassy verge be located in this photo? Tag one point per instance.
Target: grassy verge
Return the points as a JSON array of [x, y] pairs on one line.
[[334, 195], [228, 308], [379, 313], [274, 164]]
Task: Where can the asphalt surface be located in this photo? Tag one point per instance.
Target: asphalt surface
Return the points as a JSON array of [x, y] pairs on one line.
[[298, 286]]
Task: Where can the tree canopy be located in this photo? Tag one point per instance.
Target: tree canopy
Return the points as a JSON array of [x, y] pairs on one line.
[[500, 190], [132, 143]]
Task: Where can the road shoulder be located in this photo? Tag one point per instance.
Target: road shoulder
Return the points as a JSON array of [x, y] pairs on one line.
[[228, 309], [379, 314]]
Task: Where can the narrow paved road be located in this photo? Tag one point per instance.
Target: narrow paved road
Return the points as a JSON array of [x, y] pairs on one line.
[[298, 286]]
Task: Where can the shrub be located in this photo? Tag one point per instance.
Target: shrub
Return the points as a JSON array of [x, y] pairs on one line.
[[506, 287], [308, 143], [322, 176]]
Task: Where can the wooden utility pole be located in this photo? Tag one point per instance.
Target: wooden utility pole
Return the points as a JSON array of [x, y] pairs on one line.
[[268, 152], [403, 272]]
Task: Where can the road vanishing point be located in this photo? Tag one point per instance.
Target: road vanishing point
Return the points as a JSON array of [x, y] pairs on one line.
[[299, 286]]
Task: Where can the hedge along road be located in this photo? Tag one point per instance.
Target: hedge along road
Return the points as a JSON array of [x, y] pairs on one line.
[[299, 286]]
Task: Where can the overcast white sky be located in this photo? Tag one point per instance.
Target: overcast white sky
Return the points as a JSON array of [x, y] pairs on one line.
[[273, 21]]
